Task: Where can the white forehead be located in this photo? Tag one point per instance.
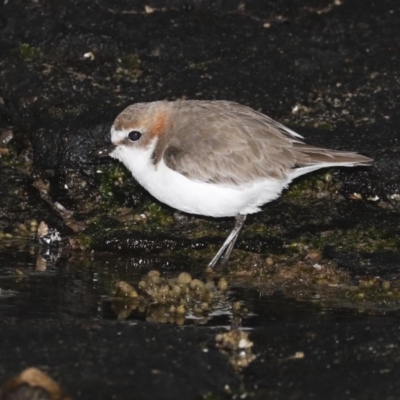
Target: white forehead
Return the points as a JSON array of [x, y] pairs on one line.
[[118, 135]]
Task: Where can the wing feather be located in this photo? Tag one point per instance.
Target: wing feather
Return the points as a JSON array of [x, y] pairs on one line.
[[228, 143]]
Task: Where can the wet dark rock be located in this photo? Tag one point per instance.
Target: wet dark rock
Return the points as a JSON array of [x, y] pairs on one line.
[[141, 243], [381, 263], [325, 359], [67, 138], [380, 141], [111, 359]]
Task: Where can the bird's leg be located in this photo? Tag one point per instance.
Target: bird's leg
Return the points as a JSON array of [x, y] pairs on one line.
[[239, 222], [221, 251], [226, 249]]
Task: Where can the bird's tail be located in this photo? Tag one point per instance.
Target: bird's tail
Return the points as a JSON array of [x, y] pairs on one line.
[[311, 158]]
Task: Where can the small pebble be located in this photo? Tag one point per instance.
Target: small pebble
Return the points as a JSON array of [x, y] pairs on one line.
[[197, 285], [164, 290], [22, 227], [328, 178], [154, 280], [222, 284], [184, 278], [152, 273], [270, 261], [236, 306], [176, 290], [181, 310], [143, 285]]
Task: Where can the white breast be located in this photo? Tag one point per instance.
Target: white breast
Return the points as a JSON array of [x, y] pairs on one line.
[[194, 197]]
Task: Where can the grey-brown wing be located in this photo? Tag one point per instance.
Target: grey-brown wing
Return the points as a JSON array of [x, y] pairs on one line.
[[226, 143]]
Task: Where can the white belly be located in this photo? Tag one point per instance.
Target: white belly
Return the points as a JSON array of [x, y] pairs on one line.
[[194, 197]]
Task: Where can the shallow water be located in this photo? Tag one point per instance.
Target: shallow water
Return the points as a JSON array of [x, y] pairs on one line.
[[37, 282]]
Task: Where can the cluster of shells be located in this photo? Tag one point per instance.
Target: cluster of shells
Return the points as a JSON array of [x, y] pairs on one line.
[[375, 290], [32, 230], [172, 300], [21, 231], [237, 345]]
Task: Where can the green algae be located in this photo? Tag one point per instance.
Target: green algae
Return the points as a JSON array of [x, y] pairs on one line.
[[28, 53], [311, 185], [114, 180], [362, 238], [129, 67], [158, 216]]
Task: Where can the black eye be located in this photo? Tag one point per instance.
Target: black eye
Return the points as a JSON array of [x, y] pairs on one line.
[[134, 136]]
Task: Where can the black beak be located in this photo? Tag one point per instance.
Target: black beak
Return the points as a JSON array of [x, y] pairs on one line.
[[103, 151]]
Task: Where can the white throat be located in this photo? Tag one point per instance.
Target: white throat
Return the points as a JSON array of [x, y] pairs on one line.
[[136, 159]]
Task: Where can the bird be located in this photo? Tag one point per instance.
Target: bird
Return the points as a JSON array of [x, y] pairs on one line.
[[214, 158]]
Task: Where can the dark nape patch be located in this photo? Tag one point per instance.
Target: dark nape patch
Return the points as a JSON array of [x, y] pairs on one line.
[[154, 157]]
